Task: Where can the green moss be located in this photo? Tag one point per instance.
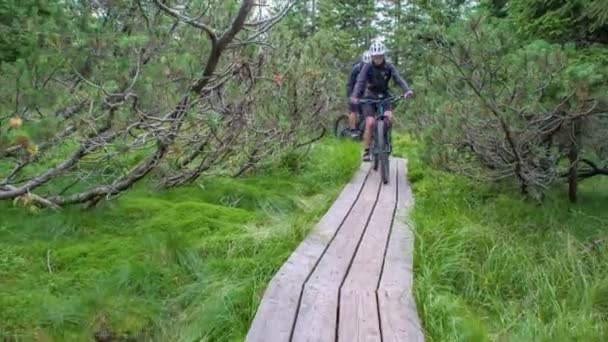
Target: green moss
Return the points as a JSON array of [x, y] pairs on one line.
[[181, 265], [493, 266]]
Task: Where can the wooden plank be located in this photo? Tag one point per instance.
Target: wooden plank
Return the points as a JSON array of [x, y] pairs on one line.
[[398, 316], [358, 316], [275, 315], [397, 273], [394, 306], [316, 320], [367, 264], [358, 306]]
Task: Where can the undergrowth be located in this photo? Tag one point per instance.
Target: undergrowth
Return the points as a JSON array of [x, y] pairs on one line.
[[493, 266], [188, 264]]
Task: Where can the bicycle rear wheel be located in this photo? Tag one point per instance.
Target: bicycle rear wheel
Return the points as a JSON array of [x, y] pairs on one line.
[[382, 152], [341, 127]]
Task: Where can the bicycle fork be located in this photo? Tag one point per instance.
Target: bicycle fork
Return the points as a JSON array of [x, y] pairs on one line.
[[388, 146]]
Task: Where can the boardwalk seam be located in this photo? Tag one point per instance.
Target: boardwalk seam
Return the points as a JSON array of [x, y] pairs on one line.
[[295, 318], [350, 264], [390, 231]]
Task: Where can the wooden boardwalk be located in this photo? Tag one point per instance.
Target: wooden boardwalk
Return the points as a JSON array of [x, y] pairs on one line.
[[351, 279]]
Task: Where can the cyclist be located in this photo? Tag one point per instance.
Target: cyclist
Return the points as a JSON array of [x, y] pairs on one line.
[[376, 76], [354, 108]]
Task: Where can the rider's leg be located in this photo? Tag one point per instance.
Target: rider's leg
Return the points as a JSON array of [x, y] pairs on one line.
[[388, 112], [368, 111], [352, 119], [389, 121], [388, 138], [389, 116], [367, 136], [352, 116]]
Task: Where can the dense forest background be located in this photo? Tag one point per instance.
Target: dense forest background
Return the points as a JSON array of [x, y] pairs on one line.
[[95, 95]]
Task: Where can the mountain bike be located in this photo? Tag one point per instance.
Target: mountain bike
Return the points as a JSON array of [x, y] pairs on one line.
[[381, 146]]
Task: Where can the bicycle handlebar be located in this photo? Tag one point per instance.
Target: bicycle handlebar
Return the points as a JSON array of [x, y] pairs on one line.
[[391, 98]]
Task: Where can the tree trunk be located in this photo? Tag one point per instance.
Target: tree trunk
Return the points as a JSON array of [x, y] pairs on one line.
[[397, 25], [314, 16]]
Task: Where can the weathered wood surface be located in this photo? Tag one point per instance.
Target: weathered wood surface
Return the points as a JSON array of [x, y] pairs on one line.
[[351, 278]]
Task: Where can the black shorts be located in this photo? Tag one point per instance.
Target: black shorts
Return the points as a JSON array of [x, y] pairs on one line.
[[369, 109], [353, 107]]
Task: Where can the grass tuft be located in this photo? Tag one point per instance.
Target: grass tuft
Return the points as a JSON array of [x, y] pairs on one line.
[[187, 264], [491, 266]]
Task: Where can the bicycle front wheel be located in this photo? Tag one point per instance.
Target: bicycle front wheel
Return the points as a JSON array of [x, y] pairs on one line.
[[382, 156]]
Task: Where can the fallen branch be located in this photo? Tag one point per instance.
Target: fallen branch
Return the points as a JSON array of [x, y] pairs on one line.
[[84, 149], [37, 199], [317, 138]]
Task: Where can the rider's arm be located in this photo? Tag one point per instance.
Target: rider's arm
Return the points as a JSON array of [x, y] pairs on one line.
[[361, 80], [400, 81], [352, 78]]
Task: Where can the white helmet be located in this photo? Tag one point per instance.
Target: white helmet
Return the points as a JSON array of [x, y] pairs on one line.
[[367, 57], [377, 49]]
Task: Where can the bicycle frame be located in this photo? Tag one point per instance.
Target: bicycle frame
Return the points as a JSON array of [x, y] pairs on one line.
[[380, 108], [381, 140]]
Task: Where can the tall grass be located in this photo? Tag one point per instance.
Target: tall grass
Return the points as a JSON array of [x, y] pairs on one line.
[[492, 266], [183, 265]]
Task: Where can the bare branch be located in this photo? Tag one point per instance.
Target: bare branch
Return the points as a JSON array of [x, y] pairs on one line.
[[84, 149], [193, 22]]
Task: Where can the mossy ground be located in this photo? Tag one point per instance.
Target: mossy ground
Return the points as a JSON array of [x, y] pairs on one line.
[[493, 266], [181, 265], [191, 263]]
